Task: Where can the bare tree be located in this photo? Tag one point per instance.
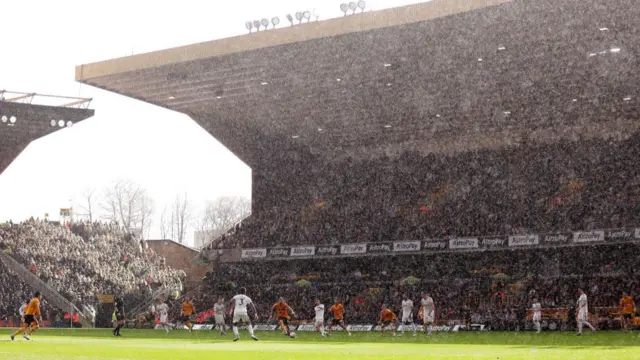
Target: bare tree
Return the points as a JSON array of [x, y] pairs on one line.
[[146, 215], [165, 224], [88, 204], [128, 204], [221, 215], [175, 220]]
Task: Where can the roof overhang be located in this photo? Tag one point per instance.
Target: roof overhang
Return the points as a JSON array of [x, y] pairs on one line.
[[26, 122], [443, 76]]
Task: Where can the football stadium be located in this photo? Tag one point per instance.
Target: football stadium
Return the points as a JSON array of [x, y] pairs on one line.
[[450, 179]]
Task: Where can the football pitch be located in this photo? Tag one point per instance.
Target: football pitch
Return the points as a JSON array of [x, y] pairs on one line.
[[67, 344]]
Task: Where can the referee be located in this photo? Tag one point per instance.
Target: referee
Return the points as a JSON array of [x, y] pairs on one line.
[[118, 316]]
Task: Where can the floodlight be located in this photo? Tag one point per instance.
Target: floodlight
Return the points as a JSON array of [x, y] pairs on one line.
[[12, 119], [69, 124], [299, 17], [362, 4], [275, 21], [256, 24], [249, 26], [53, 123], [353, 6], [290, 18], [4, 119], [265, 23], [61, 123], [344, 8], [306, 15]]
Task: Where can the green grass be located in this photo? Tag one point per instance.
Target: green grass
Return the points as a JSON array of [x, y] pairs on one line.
[[68, 344]]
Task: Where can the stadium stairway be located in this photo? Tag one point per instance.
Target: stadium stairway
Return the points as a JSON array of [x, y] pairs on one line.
[[52, 296], [144, 305]]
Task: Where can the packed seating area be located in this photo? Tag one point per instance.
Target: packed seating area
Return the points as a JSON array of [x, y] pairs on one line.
[[583, 184], [82, 261], [13, 292], [534, 188], [461, 283]]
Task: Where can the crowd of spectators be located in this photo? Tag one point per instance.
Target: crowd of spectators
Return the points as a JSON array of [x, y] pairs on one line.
[[529, 188], [13, 291], [490, 287], [537, 188], [81, 261]]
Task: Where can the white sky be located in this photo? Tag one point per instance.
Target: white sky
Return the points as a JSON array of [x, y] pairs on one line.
[[164, 151]]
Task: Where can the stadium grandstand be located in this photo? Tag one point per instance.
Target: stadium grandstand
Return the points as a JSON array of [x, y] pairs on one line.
[[72, 264], [482, 149], [25, 117]]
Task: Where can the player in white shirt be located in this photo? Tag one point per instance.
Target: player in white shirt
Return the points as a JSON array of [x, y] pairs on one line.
[[239, 304], [582, 312], [319, 320], [537, 314], [21, 311], [162, 310], [218, 309], [428, 312], [407, 315]]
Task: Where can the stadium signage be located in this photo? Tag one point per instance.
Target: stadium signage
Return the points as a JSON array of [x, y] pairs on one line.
[[524, 240], [327, 250], [254, 253], [402, 246], [379, 248], [437, 328], [353, 328], [556, 239], [359, 328], [195, 327], [258, 327], [616, 235], [493, 242], [306, 327], [439, 245], [278, 252], [434, 245], [468, 243], [589, 236], [472, 327], [303, 251], [353, 249]]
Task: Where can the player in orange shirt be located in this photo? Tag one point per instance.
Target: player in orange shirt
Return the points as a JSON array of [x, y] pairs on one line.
[[31, 315], [187, 311], [387, 318], [280, 312], [338, 317], [627, 310]]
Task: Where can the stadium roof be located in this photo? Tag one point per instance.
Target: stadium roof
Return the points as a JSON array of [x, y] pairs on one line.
[[25, 117], [442, 76]]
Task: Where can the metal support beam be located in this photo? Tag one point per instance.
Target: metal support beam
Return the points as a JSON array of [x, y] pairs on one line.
[[84, 102], [25, 96]]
